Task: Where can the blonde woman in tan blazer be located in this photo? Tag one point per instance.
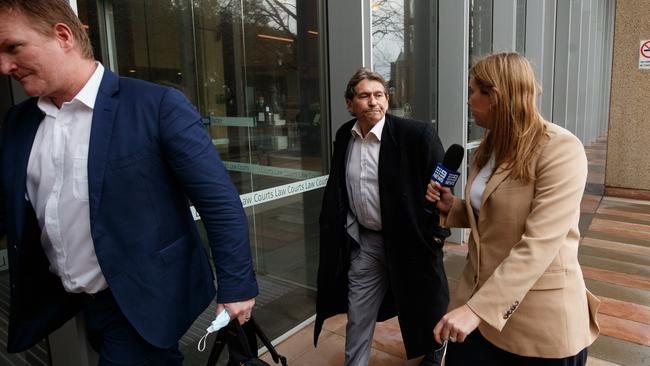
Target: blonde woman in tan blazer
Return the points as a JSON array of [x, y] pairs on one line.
[[522, 286]]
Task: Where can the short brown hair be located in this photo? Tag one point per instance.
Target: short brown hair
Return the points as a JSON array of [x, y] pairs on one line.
[[45, 14], [363, 74]]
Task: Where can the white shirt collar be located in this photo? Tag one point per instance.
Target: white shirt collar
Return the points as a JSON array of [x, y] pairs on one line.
[[87, 95], [376, 130]]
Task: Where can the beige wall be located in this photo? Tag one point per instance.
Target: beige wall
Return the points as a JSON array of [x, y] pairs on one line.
[[628, 148]]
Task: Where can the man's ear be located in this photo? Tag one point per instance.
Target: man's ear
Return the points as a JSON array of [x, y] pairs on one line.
[[64, 36], [348, 104]]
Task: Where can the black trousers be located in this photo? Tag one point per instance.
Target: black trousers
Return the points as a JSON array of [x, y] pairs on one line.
[[478, 351]]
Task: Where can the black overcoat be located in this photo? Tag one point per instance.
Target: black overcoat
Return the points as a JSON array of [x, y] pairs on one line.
[[418, 292]]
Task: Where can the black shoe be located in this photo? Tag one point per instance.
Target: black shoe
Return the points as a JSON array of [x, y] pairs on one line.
[[431, 359]]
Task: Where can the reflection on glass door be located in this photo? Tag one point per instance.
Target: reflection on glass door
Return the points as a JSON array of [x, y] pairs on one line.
[[252, 68], [480, 44], [404, 51], [520, 24]]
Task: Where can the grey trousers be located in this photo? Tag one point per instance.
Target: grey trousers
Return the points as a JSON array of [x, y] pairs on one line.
[[368, 283]]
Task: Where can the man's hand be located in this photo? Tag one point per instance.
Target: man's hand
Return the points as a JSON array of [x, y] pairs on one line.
[[456, 325], [240, 310], [441, 196]]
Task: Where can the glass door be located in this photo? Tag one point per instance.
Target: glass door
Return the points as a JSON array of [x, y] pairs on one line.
[[480, 44], [404, 52], [252, 68]]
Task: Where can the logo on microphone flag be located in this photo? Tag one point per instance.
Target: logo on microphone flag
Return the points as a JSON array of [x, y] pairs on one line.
[[444, 176]]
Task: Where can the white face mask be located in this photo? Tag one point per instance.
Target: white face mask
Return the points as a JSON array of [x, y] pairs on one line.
[[219, 322]]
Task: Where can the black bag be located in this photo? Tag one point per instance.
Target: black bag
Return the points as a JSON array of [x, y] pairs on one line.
[[242, 345]]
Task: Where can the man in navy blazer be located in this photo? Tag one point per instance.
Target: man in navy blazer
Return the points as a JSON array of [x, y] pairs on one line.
[[95, 176]]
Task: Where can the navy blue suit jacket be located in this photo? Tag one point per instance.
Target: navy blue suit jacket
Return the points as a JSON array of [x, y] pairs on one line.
[[149, 152]]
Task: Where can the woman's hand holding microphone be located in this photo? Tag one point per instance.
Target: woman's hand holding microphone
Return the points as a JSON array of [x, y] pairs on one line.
[[441, 196]]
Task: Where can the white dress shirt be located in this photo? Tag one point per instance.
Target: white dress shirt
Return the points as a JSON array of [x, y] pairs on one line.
[[478, 186], [362, 175], [57, 186]]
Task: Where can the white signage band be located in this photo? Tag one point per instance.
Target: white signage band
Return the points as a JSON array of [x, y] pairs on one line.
[[274, 193], [270, 170]]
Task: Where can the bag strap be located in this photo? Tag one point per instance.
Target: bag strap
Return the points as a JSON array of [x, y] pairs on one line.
[[217, 347], [234, 329], [277, 358], [242, 339], [232, 335]]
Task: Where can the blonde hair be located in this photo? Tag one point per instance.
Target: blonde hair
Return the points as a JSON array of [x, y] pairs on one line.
[[517, 128]]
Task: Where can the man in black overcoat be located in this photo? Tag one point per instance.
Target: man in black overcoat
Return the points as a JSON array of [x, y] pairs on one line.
[[380, 248]]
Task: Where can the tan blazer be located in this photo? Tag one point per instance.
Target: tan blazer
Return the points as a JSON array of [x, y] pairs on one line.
[[522, 276]]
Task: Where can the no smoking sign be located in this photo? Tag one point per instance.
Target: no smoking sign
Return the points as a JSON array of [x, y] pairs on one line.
[[644, 54]]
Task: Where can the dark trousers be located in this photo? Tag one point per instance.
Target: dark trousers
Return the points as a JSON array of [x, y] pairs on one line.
[[116, 341], [478, 351]]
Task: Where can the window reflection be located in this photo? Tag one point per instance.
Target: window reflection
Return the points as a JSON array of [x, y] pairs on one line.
[[520, 34], [252, 69], [404, 49], [480, 44]]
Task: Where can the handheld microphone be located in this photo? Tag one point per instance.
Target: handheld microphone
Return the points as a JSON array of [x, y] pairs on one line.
[[446, 173]]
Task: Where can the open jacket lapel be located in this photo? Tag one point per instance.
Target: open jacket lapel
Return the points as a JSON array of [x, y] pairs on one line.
[[104, 114], [341, 147], [389, 173], [24, 140], [490, 187], [499, 175]]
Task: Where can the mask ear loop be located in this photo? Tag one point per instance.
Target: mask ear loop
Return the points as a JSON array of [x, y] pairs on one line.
[[221, 321], [203, 340]]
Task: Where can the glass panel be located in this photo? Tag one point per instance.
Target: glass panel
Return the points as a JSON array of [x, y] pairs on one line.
[[252, 68], [520, 42], [404, 49], [480, 44], [88, 15]]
